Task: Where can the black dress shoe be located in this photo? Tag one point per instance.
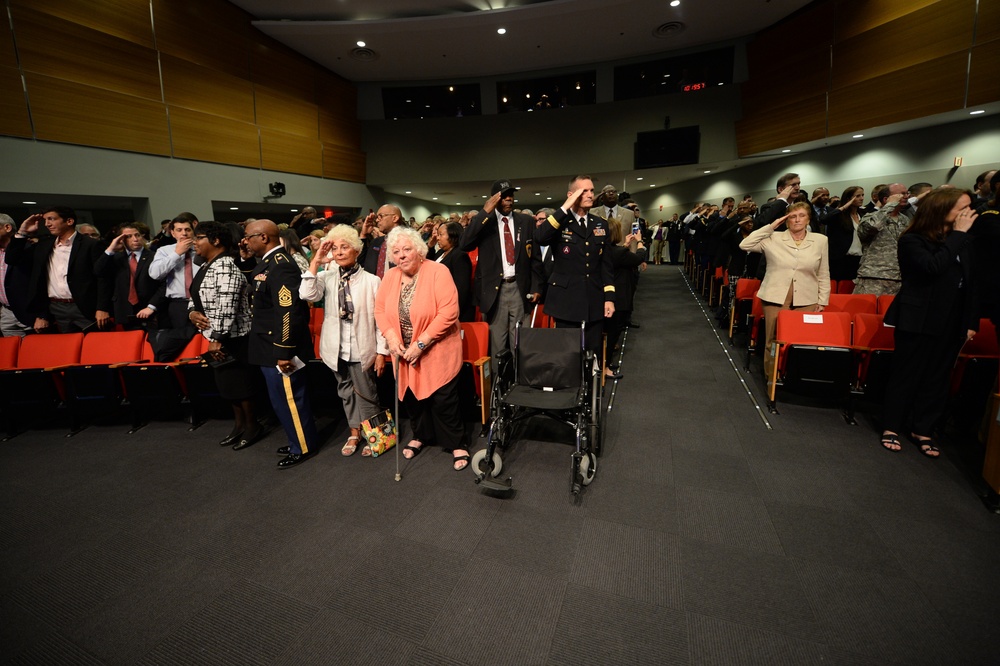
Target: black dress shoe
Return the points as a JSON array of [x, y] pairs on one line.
[[284, 450], [292, 459], [249, 440], [231, 438], [632, 324]]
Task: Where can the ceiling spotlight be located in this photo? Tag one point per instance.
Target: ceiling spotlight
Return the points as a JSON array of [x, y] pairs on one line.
[[857, 136], [977, 112], [361, 44], [708, 171], [234, 208], [451, 88], [720, 83], [484, 196], [434, 198], [501, 31], [527, 95], [29, 203], [538, 194], [787, 150], [548, 198], [458, 203], [653, 185], [639, 178], [577, 85], [408, 192], [293, 210], [675, 3], [504, 100], [409, 101]]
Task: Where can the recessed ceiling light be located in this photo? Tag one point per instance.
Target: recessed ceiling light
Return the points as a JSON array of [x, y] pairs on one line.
[[408, 192], [787, 150], [451, 88], [538, 194], [501, 31], [293, 210], [434, 198], [857, 136], [977, 112], [639, 178], [409, 101], [515, 200], [720, 83], [233, 208], [361, 44], [30, 203], [458, 203], [548, 198], [504, 100], [527, 95], [653, 185], [485, 197], [708, 171], [427, 106], [675, 3]]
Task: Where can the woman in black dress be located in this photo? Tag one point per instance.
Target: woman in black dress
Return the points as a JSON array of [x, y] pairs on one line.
[[842, 231], [220, 307], [459, 264], [934, 314]]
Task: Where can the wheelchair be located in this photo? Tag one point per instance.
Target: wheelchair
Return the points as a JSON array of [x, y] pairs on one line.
[[549, 374]]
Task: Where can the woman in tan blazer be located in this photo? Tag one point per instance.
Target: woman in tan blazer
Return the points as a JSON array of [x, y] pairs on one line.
[[798, 270]]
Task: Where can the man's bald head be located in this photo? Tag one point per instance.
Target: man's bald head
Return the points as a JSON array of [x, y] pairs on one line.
[[263, 227], [261, 237]]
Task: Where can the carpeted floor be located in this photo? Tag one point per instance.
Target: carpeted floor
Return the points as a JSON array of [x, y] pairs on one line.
[[705, 538]]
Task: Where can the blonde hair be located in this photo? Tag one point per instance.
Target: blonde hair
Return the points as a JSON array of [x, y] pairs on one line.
[[348, 233]]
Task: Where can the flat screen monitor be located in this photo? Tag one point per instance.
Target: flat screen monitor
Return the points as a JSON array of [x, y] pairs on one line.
[[671, 147]]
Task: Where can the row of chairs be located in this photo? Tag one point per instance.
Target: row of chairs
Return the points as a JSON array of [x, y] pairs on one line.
[[848, 356], [40, 374]]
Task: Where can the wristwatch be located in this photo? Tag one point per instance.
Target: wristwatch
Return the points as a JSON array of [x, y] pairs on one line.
[[421, 346]]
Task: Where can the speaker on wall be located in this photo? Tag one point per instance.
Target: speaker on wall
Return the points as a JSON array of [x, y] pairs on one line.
[[670, 147]]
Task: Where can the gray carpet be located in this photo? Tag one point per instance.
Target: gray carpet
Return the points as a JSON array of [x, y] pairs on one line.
[[706, 538]]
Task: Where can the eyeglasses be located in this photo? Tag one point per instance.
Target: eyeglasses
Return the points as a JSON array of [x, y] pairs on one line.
[[259, 233], [199, 236], [379, 216]]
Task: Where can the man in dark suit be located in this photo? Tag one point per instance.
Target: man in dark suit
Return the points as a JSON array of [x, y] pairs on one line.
[[14, 318], [64, 287], [135, 295], [373, 256], [504, 282], [581, 288], [279, 339]]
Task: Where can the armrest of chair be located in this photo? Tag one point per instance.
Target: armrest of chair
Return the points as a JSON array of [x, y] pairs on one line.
[[115, 366]]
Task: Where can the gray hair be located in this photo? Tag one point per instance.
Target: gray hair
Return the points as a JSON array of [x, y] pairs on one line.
[[6, 219], [402, 233], [348, 233]]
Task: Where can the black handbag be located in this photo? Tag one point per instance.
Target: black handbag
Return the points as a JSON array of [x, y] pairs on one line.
[[219, 359]]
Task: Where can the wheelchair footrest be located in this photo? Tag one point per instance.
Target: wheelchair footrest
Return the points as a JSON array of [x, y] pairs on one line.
[[496, 485]]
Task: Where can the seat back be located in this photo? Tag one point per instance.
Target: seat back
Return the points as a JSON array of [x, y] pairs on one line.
[[815, 355], [884, 301], [46, 351], [746, 288], [871, 333], [104, 348], [549, 357], [853, 303], [475, 340], [799, 327], [9, 346], [845, 287]]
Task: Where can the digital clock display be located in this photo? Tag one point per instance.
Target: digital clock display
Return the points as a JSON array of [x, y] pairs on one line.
[[694, 86]]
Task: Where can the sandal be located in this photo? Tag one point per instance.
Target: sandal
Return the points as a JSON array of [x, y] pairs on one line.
[[366, 452], [414, 450], [890, 442], [350, 446], [928, 446], [459, 463]]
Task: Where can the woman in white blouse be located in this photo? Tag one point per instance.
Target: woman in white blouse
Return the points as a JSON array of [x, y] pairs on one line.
[[349, 344]]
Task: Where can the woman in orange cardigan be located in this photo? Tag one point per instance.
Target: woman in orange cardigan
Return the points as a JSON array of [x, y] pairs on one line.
[[416, 308]]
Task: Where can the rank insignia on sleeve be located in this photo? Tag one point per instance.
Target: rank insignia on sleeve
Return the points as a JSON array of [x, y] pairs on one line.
[[285, 297]]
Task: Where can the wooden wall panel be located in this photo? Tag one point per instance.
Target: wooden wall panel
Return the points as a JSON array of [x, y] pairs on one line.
[[857, 16], [214, 34], [279, 68], [988, 21], [927, 34], [811, 73], [87, 56], [8, 57], [334, 93], [276, 110], [199, 88], [73, 113], [782, 126], [782, 43], [209, 138], [14, 119], [984, 84], [343, 163], [930, 87], [290, 153], [339, 130], [125, 19]]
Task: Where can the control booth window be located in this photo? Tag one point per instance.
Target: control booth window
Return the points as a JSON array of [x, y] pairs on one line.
[[437, 101], [550, 92], [679, 74]]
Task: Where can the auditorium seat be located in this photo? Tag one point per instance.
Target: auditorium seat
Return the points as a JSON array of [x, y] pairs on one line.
[[814, 355], [35, 384]]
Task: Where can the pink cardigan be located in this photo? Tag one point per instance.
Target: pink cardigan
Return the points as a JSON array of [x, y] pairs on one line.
[[434, 312]]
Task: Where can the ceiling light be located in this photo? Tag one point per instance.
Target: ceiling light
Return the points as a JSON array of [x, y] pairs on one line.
[[720, 83], [977, 112], [504, 100], [434, 198], [675, 3], [293, 210], [458, 203], [234, 208], [708, 171], [787, 150], [548, 198], [527, 95], [653, 185], [857, 136], [538, 194], [451, 88], [409, 101], [484, 196], [639, 178], [408, 192], [427, 106], [361, 44], [501, 31], [30, 203], [577, 85]]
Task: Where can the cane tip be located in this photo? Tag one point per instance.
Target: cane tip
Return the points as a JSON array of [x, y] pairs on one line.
[[398, 477]]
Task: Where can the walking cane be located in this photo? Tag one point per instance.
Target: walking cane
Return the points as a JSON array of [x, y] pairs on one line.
[[395, 394]]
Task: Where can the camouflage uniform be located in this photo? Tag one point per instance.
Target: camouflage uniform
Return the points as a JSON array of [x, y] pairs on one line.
[[879, 233]]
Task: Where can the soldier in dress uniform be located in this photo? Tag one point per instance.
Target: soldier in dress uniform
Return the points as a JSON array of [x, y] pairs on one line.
[[279, 339]]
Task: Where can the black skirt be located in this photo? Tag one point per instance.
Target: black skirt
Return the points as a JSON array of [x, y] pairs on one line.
[[237, 381]]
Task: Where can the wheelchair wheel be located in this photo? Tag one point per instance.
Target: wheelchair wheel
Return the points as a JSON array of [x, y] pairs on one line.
[[481, 468], [588, 468]]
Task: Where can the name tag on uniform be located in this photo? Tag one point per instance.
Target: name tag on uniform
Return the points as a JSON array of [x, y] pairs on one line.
[[599, 231]]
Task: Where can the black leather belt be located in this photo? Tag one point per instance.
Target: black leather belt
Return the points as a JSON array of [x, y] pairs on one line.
[[60, 300], [510, 279]]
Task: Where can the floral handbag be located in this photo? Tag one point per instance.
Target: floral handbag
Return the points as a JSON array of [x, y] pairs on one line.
[[379, 433]]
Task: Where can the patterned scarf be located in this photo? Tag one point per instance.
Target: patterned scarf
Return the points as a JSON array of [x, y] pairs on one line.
[[344, 292]]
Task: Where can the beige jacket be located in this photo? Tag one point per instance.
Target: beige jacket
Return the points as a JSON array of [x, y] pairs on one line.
[[806, 267]]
